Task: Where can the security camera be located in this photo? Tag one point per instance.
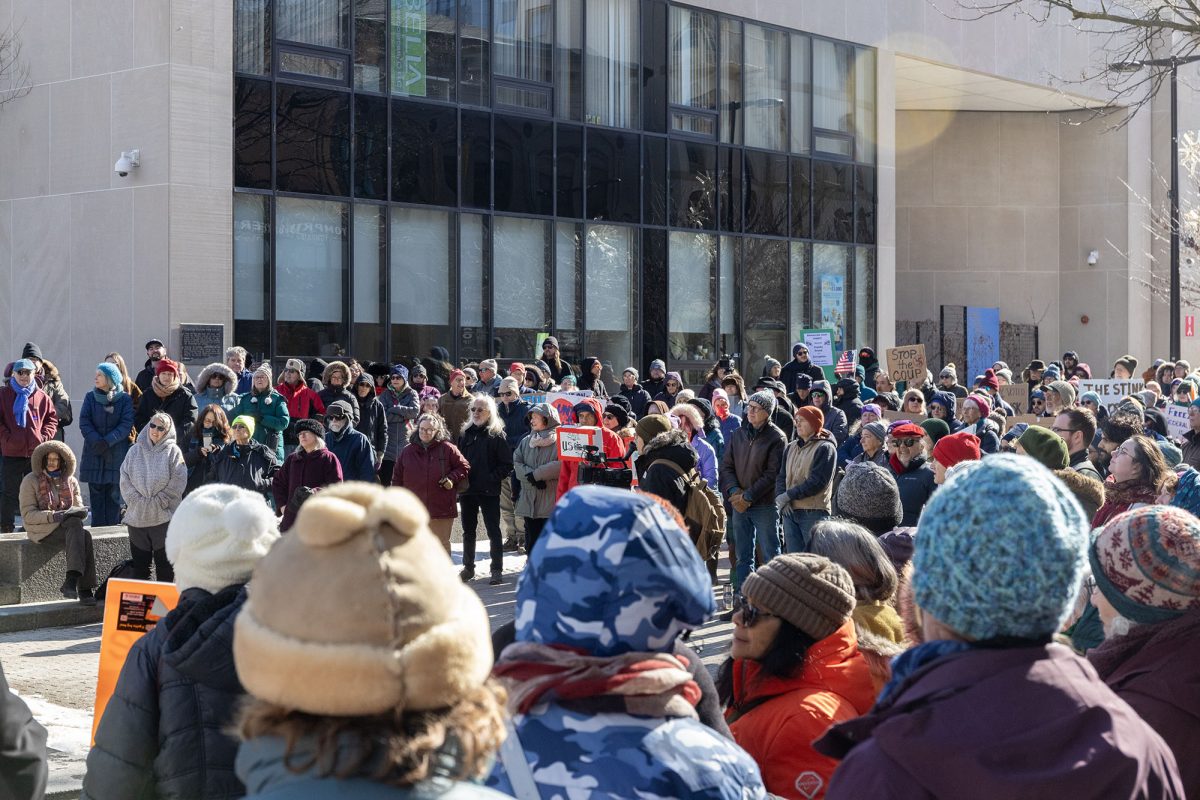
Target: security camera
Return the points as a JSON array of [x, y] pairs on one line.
[[127, 162], [1093, 258]]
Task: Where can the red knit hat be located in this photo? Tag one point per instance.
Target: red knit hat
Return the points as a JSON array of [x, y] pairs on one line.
[[990, 380], [166, 365], [982, 403], [515, 366], [907, 430], [956, 448], [813, 415], [456, 373]]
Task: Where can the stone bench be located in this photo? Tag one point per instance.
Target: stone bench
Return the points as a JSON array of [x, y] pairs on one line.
[[32, 572]]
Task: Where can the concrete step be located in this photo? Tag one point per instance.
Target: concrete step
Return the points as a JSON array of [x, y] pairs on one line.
[[53, 614], [31, 572]]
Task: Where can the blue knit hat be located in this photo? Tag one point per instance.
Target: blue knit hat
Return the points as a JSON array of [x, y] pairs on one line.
[[112, 375], [401, 370], [1187, 493], [1001, 550]]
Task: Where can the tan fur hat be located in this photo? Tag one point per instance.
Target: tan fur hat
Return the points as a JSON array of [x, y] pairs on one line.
[[359, 611]]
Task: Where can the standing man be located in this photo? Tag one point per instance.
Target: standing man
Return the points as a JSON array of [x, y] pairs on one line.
[[656, 384], [514, 413], [455, 405], [1077, 427], [27, 418], [235, 359], [489, 380], [747, 479], [559, 369], [914, 476], [804, 486], [799, 365], [155, 352], [632, 391]]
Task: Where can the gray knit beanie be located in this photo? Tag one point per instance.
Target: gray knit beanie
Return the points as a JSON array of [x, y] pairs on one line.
[[868, 495], [765, 398], [876, 429], [809, 591]]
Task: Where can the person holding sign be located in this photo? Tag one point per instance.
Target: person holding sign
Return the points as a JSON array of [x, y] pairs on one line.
[[799, 365]]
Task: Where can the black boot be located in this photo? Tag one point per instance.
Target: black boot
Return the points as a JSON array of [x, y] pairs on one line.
[[70, 587], [466, 575], [496, 580], [87, 597]]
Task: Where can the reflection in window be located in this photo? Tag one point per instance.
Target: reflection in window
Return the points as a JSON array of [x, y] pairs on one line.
[[251, 259], [693, 69], [654, 180], [368, 293], [424, 154], [613, 176], [690, 321], [310, 275], [473, 290], [864, 104], [252, 37], [766, 193], [568, 73], [800, 272], [731, 81], [568, 165], [370, 147], [829, 290], [729, 177], [611, 253], [325, 23], [864, 205], [728, 300], [833, 201], [524, 165], [693, 185], [370, 44], [476, 159], [766, 68], [612, 53], [864, 297], [764, 271], [801, 199], [422, 280], [801, 92], [832, 110], [312, 141], [422, 51], [474, 32], [330, 68], [567, 271], [521, 261], [525, 39], [252, 134]]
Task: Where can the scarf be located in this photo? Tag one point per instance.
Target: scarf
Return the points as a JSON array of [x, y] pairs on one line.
[[646, 684], [163, 389], [105, 398], [898, 466], [914, 658], [54, 491], [1108, 657], [21, 403], [1118, 497]]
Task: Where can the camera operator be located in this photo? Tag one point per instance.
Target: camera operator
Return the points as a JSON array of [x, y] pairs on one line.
[[588, 413]]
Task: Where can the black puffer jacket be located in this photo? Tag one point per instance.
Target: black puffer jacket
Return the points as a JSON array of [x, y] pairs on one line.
[[180, 407], [916, 486], [163, 731], [251, 466], [372, 418], [849, 402], [660, 479], [23, 770], [490, 459]]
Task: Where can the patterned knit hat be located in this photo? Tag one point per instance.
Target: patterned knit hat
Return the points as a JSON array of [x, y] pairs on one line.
[[765, 398], [1045, 446], [974, 571], [294, 364], [1147, 563], [265, 369], [868, 495], [809, 591]]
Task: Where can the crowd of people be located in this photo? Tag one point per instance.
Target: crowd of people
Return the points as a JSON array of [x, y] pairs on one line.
[[926, 602]]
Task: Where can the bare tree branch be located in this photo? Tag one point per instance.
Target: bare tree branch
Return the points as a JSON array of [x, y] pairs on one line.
[[14, 70]]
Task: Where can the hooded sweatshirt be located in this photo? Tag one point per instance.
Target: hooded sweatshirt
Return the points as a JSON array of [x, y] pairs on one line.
[[568, 472], [153, 478]]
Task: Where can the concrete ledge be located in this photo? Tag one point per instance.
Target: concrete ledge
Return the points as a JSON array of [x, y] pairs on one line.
[[57, 614], [31, 572]]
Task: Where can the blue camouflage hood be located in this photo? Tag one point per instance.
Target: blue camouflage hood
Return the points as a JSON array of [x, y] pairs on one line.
[[611, 573], [946, 400]]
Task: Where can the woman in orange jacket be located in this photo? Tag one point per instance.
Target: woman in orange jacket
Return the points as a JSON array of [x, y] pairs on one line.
[[793, 670]]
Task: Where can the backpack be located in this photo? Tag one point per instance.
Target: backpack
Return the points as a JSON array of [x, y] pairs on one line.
[[123, 569], [704, 512]]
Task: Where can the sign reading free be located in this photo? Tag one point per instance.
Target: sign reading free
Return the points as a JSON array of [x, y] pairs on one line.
[[573, 439]]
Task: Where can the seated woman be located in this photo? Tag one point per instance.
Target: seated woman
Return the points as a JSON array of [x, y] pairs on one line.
[[53, 512]]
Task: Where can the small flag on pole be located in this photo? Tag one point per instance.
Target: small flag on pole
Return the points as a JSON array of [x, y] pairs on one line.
[[845, 363]]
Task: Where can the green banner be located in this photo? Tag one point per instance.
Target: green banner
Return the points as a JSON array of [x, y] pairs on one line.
[[409, 67]]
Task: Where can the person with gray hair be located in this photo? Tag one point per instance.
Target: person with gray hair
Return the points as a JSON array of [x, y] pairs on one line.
[[236, 358], [485, 447], [489, 378]]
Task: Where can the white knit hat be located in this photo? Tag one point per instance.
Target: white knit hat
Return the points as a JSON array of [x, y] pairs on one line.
[[217, 535]]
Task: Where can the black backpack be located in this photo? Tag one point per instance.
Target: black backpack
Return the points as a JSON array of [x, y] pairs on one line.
[[123, 569]]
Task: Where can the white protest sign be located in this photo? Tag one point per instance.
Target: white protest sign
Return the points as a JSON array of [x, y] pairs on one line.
[[1111, 391], [820, 347], [1177, 420], [573, 441]]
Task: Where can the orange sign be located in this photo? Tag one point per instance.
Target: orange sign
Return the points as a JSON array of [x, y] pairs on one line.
[[572, 439]]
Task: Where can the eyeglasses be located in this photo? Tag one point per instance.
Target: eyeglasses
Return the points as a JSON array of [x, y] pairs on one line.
[[24, 372], [508, 394], [750, 613], [609, 416], [908, 442], [337, 416], [156, 427], [756, 408], [1037, 402], [1121, 451], [239, 427], [1061, 431]]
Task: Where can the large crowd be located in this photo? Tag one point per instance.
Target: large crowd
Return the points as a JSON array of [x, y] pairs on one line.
[[926, 600]]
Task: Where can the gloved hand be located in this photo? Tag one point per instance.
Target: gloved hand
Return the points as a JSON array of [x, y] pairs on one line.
[[530, 480], [739, 502], [781, 501], [58, 516], [99, 447], [540, 484]]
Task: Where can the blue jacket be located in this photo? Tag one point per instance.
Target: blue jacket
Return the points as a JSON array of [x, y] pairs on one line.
[[614, 575], [104, 426], [729, 426], [354, 452], [515, 417], [163, 731], [399, 410]]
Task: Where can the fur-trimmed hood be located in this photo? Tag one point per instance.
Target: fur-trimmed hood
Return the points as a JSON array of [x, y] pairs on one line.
[[335, 366], [38, 459], [216, 368], [674, 437], [1086, 489]]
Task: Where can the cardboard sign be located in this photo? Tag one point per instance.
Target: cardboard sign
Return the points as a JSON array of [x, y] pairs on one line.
[[572, 439], [1111, 391], [896, 416], [1177, 420], [1016, 396], [906, 363], [563, 402], [131, 609], [1029, 419]]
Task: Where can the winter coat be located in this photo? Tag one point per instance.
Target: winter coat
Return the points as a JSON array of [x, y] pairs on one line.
[[989, 438], [163, 733], [870, 364], [835, 422], [708, 465], [1088, 491], [251, 466], [850, 449], [568, 471], [197, 462], [1191, 449], [536, 458], [1035, 723], [794, 369], [785, 715], [806, 475], [588, 383], [659, 479], [313, 470], [180, 406], [226, 396], [270, 412], [850, 404], [302, 403], [373, 423], [105, 425], [419, 469], [41, 423], [568, 600], [752, 462], [638, 399], [146, 376], [706, 391], [38, 522], [153, 479], [729, 426], [881, 458], [269, 774], [51, 383], [655, 387], [666, 397], [399, 410], [23, 756], [354, 453], [515, 417], [1156, 669], [490, 459], [455, 410], [916, 485], [491, 387]]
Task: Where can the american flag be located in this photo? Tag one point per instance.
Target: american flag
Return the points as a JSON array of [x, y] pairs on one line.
[[845, 363]]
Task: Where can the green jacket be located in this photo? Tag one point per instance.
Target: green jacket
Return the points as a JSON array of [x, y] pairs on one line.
[[270, 413]]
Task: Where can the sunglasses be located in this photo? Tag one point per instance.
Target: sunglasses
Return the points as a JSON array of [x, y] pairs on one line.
[[156, 427], [750, 612], [478, 410], [239, 426], [609, 416], [908, 442], [24, 372], [337, 416]]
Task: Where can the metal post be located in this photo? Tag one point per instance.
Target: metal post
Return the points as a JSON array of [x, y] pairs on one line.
[[1175, 289]]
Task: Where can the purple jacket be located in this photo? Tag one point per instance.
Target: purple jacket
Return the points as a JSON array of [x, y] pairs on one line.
[[1156, 669], [314, 470], [1029, 723]]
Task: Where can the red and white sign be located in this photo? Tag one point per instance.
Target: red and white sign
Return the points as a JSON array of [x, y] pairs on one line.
[[1189, 325], [572, 439]]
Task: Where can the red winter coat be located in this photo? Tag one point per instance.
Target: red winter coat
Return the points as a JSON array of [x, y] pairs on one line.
[[419, 469], [314, 470], [42, 424], [568, 471], [302, 402], [834, 685]]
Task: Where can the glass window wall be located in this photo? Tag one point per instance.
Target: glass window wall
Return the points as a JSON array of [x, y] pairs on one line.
[[251, 270], [732, 118], [252, 134], [473, 288], [370, 45], [766, 67], [833, 110], [801, 93], [312, 141], [423, 48], [864, 297], [568, 267], [691, 262], [801, 270], [423, 293], [612, 75], [693, 71], [612, 309], [764, 274], [568, 70], [864, 104], [368, 312], [311, 242], [730, 245], [475, 25], [521, 269], [325, 23], [693, 182], [525, 40], [829, 308], [252, 37]]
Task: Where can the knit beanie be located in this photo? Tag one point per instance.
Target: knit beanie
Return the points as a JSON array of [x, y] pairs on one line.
[[1045, 446], [935, 428], [1147, 563], [1187, 493], [430, 393], [652, 425], [165, 365], [265, 369], [956, 448], [630, 371], [310, 425], [454, 373], [809, 591], [872, 408], [402, 371], [31, 350], [868, 495], [1089, 397], [620, 413], [876, 429], [658, 364], [413, 639], [1170, 453], [1052, 373], [765, 398], [1066, 392], [1128, 362], [510, 384], [488, 363], [623, 402], [217, 535], [813, 415], [804, 381], [111, 374], [989, 380], [949, 371], [1002, 550], [248, 421], [294, 364], [674, 376], [980, 402], [1006, 374], [769, 364]]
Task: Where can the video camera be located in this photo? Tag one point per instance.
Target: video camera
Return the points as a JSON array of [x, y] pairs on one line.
[[595, 470]]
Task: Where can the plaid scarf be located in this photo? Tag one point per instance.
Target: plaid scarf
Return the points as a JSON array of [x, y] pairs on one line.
[[646, 684]]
